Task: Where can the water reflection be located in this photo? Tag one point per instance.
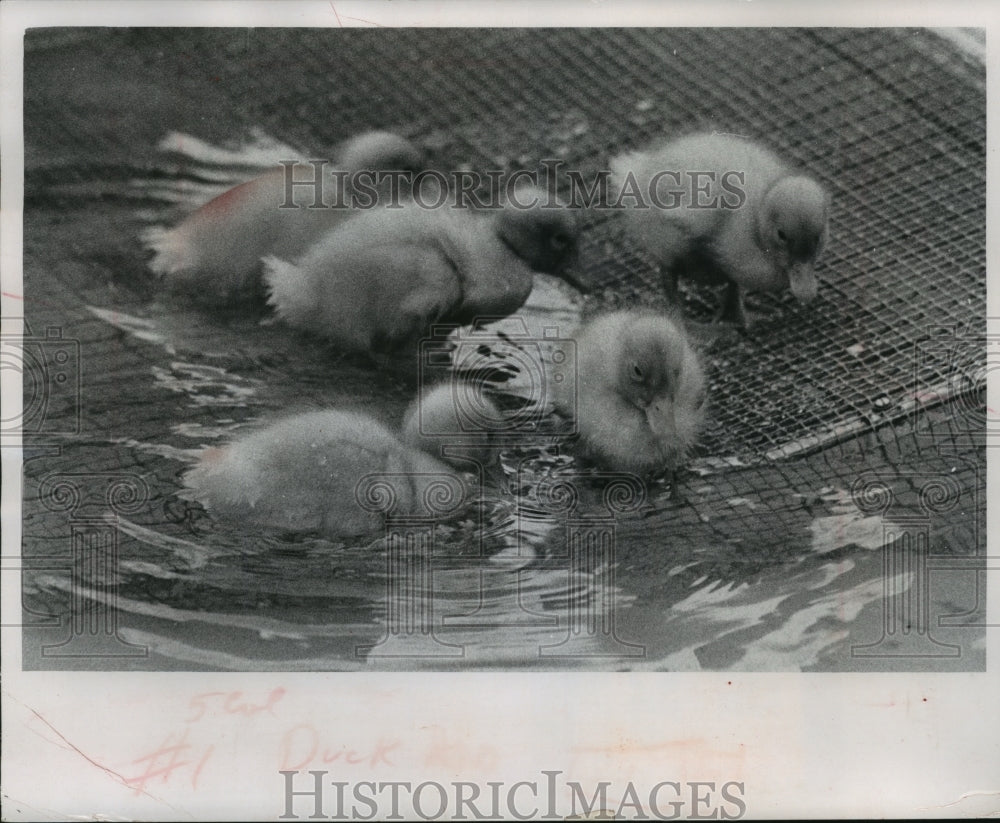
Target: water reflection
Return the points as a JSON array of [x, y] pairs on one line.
[[555, 566], [548, 581]]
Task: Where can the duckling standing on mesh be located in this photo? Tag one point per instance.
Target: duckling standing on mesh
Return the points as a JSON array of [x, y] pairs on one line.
[[215, 252], [639, 396], [307, 473], [725, 210], [378, 282]]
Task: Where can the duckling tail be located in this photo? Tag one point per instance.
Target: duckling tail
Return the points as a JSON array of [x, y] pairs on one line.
[[173, 257], [621, 167], [289, 289]]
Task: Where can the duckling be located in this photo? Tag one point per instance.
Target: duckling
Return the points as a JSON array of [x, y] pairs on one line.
[[378, 282], [759, 232], [458, 416], [639, 396], [215, 252], [302, 474]]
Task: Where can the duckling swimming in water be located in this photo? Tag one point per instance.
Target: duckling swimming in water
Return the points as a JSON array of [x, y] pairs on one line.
[[378, 282], [743, 217], [639, 400], [457, 416], [215, 252], [303, 474]]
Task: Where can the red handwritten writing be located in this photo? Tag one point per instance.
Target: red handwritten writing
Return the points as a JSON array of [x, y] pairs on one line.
[[176, 755], [231, 703], [449, 753], [302, 746], [170, 757]]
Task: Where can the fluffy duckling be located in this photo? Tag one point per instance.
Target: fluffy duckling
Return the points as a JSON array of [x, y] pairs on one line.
[[761, 232], [216, 251], [302, 474], [639, 399], [378, 282], [457, 416]]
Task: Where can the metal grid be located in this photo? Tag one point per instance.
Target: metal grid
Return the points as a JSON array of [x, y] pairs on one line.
[[892, 122]]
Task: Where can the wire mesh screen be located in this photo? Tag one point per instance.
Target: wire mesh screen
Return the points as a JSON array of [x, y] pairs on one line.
[[883, 374], [892, 122]]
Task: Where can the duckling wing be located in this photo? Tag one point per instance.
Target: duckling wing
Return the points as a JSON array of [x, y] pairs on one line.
[[667, 235], [216, 250], [281, 485], [493, 277], [368, 285], [304, 473], [417, 286]]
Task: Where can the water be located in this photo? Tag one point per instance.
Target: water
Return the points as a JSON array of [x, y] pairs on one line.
[[510, 591], [553, 566], [539, 573]]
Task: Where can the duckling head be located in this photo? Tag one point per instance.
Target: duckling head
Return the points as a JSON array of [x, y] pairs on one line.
[[543, 236], [793, 224], [458, 416], [380, 150], [659, 373]]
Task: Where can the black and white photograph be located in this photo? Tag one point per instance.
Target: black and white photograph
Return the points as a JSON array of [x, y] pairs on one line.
[[627, 354]]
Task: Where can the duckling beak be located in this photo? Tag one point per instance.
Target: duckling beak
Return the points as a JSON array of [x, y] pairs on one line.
[[567, 270], [802, 281], [575, 281], [660, 416]]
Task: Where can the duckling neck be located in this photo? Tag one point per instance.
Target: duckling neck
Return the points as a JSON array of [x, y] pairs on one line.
[[760, 219], [491, 287], [451, 252]]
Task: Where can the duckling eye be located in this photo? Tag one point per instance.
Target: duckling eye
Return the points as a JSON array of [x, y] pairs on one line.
[[637, 374], [559, 241], [782, 236]]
